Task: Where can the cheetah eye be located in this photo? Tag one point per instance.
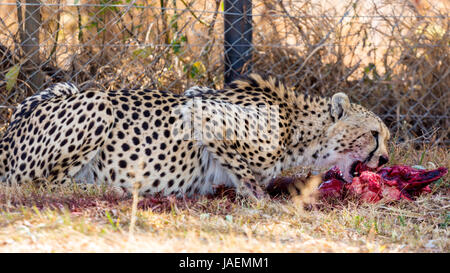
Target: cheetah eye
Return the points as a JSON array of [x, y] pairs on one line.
[[375, 133]]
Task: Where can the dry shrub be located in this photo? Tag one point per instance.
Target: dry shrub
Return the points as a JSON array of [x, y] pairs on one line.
[[396, 64]]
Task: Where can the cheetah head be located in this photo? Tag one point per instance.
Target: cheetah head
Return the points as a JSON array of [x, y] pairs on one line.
[[355, 135]]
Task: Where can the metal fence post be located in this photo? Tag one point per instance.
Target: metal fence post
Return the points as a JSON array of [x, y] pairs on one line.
[[31, 44], [238, 37]]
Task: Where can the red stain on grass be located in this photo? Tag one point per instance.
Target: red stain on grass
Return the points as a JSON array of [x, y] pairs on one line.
[[72, 202], [389, 183], [79, 202], [225, 197]]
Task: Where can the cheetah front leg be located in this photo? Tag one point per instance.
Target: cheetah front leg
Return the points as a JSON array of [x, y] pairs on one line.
[[242, 177]]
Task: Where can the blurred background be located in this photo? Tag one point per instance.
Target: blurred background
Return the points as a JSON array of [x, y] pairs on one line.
[[390, 56]]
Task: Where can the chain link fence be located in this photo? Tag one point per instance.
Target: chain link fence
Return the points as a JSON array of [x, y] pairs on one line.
[[390, 56]]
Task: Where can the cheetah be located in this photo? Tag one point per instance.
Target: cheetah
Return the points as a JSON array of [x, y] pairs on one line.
[[182, 145]]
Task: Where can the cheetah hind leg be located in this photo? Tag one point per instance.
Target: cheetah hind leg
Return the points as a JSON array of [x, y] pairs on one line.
[[76, 161]]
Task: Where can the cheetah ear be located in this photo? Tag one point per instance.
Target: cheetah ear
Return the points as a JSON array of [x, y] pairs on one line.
[[339, 105]]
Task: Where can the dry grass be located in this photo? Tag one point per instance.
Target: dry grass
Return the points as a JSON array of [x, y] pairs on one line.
[[68, 219]]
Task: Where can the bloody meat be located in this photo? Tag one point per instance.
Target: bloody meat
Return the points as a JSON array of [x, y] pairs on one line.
[[371, 185]]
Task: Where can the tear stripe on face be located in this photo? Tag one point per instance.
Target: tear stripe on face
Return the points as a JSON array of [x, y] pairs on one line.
[[372, 152]]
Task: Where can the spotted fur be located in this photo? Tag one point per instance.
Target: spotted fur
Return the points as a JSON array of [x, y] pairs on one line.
[[241, 136]]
